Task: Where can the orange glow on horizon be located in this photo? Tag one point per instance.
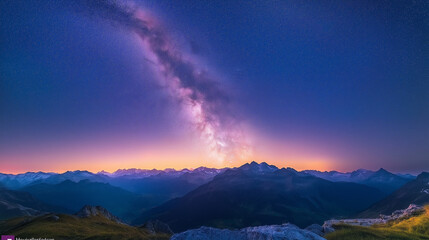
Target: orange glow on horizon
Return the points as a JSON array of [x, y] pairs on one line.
[[174, 153], [141, 161]]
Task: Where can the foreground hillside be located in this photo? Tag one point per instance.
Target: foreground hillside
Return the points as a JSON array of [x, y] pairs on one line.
[[72, 227], [414, 228]]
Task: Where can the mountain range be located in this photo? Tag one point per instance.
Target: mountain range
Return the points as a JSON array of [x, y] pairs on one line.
[[20, 180], [383, 180], [261, 194], [250, 195], [141, 180], [126, 192]]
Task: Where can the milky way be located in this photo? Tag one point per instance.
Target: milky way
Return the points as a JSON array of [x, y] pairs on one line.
[[200, 97]]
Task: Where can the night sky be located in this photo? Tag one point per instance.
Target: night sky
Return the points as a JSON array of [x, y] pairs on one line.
[[102, 85]]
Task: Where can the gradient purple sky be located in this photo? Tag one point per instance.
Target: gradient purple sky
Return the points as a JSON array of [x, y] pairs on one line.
[[158, 84]]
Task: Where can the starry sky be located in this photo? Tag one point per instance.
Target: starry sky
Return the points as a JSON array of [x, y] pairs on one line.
[[102, 85]]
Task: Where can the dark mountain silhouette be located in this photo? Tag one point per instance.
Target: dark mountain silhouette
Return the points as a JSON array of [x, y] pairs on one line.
[[72, 196], [16, 181], [385, 181], [17, 203], [414, 192], [74, 176], [259, 194], [406, 176]]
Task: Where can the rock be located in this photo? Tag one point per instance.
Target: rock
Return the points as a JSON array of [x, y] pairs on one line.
[[208, 233], [54, 217], [91, 211], [285, 231], [156, 226], [271, 232], [327, 229], [412, 210], [316, 228], [364, 222]]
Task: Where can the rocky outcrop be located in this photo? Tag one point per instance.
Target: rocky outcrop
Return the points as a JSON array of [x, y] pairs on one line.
[[316, 228], [365, 222], [270, 232], [92, 211], [156, 226], [53, 217], [412, 210], [320, 230]]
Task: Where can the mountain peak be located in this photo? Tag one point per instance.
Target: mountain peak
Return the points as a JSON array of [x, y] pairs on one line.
[[287, 171], [362, 170], [104, 172], [361, 174], [92, 211], [423, 176], [156, 226], [382, 170], [255, 167], [78, 173]]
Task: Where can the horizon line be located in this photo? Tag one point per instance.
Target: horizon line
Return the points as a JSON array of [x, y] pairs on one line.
[[192, 169]]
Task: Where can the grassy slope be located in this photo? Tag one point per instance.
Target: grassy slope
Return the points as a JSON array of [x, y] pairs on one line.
[[414, 228], [70, 227]]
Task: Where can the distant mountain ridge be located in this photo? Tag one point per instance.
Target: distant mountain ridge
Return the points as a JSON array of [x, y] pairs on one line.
[[368, 177], [23, 179], [16, 181], [132, 172], [74, 176], [382, 179]]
